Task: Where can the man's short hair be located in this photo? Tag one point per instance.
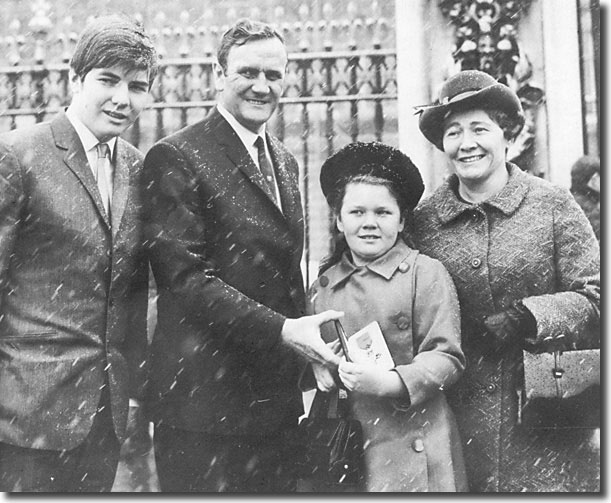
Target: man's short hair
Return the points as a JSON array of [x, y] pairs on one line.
[[244, 31], [114, 40]]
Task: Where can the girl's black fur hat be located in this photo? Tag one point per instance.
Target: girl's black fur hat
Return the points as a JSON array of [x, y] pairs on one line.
[[376, 159]]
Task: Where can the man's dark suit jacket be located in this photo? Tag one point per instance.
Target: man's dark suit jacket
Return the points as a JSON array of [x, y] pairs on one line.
[[73, 293], [227, 265]]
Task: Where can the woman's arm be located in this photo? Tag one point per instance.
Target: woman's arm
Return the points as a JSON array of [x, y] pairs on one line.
[[571, 316]]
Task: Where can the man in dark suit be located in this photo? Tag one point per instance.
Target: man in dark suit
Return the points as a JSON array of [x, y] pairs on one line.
[[73, 277], [225, 233]]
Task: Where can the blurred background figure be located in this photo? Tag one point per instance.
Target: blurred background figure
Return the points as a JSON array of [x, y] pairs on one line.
[[585, 187]]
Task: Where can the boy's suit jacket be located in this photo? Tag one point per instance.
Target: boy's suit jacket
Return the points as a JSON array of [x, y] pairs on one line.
[[73, 293], [227, 265]]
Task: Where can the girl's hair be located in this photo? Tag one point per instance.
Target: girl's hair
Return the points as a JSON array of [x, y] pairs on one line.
[[338, 241]]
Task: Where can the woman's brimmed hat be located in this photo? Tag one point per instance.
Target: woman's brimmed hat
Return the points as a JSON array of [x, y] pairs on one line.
[[469, 89], [375, 159]]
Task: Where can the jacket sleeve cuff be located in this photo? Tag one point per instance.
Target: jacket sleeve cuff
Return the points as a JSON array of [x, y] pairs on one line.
[[561, 318], [403, 403]]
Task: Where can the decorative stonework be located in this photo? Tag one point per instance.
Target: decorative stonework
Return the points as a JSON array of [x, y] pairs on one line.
[[486, 39]]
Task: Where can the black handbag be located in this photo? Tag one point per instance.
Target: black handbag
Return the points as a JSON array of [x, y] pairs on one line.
[[332, 446], [561, 390]]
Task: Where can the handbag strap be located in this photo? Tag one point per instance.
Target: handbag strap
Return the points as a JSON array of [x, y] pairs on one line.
[[329, 404]]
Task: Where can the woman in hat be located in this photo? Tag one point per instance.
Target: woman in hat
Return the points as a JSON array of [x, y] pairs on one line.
[[526, 265], [410, 436]]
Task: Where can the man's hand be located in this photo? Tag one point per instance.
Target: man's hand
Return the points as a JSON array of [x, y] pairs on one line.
[[138, 438], [303, 335], [336, 347]]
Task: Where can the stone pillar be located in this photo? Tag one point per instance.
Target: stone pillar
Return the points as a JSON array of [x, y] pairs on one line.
[[562, 88], [412, 82]]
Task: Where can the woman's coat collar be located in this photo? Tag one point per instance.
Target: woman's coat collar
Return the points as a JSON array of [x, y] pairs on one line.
[[449, 206]]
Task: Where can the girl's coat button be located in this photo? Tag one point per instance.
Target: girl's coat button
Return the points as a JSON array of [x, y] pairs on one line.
[[418, 445]]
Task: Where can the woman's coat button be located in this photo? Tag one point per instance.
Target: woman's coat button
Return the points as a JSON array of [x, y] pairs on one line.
[[323, 280], [403, 267]]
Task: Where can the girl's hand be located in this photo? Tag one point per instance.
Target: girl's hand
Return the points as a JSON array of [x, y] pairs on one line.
[[324, 377], [369, 379]]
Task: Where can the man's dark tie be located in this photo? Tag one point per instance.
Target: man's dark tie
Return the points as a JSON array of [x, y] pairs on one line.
[[266, 169]]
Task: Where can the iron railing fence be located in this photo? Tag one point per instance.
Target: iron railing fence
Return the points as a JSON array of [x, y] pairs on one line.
[[37, 31]]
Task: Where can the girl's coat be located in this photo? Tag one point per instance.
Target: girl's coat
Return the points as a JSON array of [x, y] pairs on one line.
[[412, 297]]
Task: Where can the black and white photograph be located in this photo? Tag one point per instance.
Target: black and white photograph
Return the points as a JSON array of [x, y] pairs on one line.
[[295, 247]]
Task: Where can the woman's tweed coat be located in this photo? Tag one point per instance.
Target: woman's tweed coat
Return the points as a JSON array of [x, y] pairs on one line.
[[413, 299], [531, 241]]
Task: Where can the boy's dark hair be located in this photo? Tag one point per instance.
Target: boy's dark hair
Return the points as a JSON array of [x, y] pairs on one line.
[[243, 31], [114, 40]]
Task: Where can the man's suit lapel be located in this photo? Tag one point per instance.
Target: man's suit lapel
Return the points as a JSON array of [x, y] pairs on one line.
[[236, 151], [288, 183], [67, 140]]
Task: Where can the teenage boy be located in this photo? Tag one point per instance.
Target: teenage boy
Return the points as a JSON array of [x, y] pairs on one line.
[[73, 279]]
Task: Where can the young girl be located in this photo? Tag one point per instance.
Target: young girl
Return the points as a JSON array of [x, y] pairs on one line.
[[410, 438]]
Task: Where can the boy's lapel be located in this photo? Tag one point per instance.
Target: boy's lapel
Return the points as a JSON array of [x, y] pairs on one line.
[[67, 139], [123, 168]]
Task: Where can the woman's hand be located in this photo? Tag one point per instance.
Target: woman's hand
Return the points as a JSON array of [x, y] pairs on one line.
[[369, 379], [511, 326]]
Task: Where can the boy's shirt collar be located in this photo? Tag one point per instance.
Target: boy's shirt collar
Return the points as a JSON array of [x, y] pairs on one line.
[[88, 139]]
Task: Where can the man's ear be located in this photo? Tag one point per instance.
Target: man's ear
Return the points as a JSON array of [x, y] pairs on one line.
[[219, 77]]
